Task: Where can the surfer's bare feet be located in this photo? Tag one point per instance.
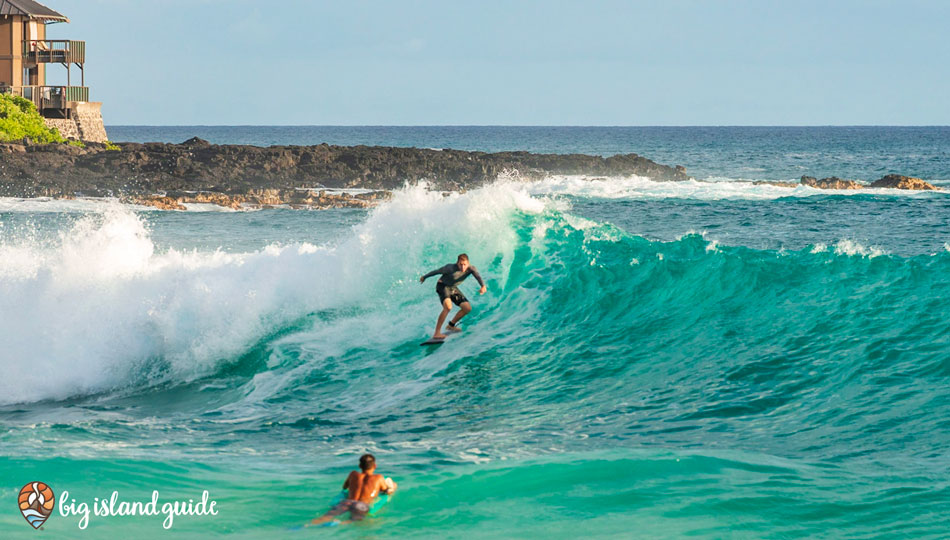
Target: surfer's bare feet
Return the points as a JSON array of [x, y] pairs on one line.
[[453, 329], [439, 336]]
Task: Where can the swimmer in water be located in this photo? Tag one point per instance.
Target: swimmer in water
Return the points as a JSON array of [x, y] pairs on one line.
[[363, 487]]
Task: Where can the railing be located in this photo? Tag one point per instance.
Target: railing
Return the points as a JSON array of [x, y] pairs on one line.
[[46, 51], [49, 97]]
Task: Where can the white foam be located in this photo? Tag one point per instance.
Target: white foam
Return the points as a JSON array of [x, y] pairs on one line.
[[849, 248], [83, 205], [47, 204], [637, 187], [852, 248], [206, 207], [614, 187], [100, 308]]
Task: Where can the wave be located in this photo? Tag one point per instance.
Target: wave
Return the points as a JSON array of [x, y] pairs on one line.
[[102, 310], [716, 188]]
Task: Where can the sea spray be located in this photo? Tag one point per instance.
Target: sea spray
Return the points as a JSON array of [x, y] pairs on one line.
[[101, 308]]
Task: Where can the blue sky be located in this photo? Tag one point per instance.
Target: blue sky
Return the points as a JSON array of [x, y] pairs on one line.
[[671, 62]]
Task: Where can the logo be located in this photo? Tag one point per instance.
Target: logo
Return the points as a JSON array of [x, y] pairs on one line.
[[36, 503]]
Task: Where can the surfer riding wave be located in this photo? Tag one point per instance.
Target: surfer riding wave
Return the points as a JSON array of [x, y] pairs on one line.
[[447, 289]]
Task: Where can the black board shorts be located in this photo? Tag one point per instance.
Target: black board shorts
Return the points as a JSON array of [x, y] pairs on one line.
[[450, 292]]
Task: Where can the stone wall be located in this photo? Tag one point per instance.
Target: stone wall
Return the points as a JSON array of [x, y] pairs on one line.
[[67, 127], [89, 118], [84, 123]]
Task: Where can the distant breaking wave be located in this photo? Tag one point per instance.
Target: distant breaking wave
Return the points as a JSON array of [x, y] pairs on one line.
[[626, 187], [635, 187]]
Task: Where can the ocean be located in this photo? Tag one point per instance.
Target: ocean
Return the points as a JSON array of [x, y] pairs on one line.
[[706, 359]]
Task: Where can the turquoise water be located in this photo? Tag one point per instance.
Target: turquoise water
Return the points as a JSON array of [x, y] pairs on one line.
[[650, 360]]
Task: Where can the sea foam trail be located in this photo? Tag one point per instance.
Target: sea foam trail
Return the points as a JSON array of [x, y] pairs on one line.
[[100, 309], [636, 187]]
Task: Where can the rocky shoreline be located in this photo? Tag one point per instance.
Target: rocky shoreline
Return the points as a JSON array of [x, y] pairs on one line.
[[297, 199], [169, 176], [891, 181]]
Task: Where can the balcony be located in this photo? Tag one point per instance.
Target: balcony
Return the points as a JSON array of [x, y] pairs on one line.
[[49, 51], [49, 97]]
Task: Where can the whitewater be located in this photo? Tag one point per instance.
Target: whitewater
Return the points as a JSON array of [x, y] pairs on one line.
[[722, 360]]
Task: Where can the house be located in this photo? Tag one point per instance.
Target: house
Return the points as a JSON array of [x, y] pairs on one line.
[[25, 56]]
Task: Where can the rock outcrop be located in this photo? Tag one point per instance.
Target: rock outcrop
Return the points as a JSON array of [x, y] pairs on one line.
[[894, 181], [897, 181], [197, 166], [832, 182]]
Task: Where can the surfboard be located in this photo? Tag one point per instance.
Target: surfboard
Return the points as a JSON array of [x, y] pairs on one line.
[[380, 502], [432, 341]]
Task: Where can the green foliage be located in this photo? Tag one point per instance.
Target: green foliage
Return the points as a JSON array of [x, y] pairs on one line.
[[19, 118], [74, 142], [25, 105], [112, 146]]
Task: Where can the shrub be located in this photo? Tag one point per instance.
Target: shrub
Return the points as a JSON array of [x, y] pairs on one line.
[[19, 118]]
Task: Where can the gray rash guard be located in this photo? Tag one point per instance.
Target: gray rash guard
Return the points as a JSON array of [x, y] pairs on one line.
[[452, 276]]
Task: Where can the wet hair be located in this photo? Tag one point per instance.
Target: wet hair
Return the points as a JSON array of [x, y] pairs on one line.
[[367, 461], [463, 257]]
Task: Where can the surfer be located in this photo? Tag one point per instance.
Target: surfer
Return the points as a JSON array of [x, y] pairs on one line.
[[447, 289], [363, 486]]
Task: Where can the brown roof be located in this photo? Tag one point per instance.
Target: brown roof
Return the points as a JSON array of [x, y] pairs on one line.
[[32, 9]]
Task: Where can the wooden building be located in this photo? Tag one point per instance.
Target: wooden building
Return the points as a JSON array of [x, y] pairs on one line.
[[25, 56]]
